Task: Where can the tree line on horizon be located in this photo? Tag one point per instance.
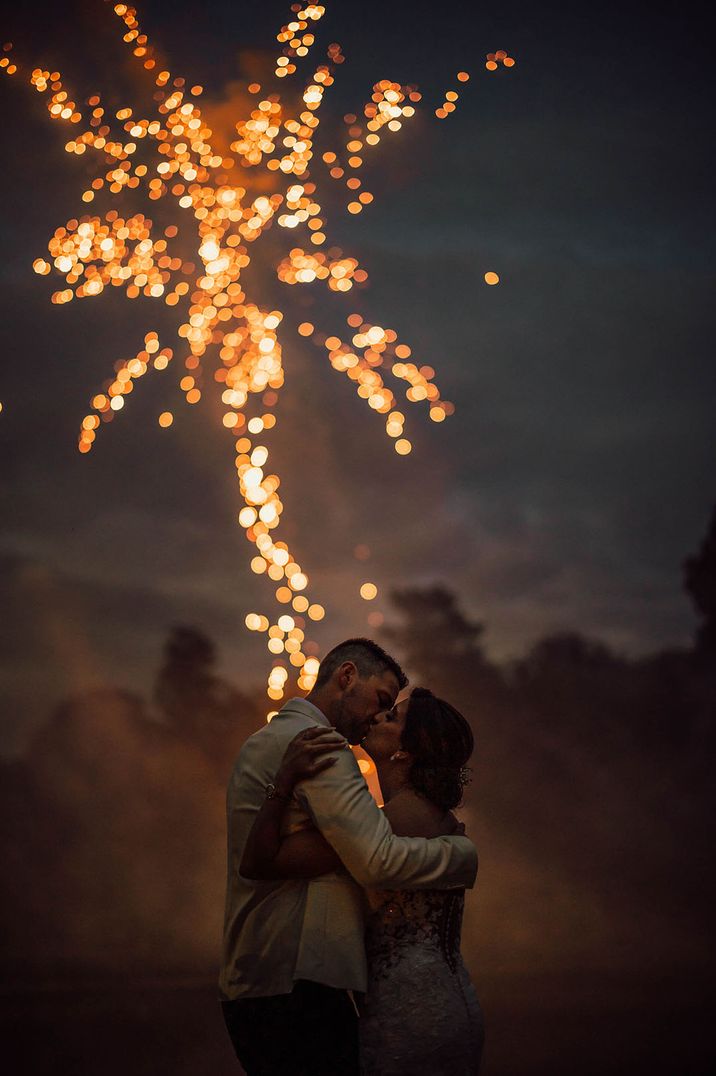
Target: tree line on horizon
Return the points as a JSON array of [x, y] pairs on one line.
[[590, 795]]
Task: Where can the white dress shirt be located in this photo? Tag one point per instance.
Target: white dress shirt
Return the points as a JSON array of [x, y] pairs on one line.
[[276, 932]]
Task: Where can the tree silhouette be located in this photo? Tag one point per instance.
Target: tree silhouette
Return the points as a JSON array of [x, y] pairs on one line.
[[700, 585], [434, 636], [199, 704]]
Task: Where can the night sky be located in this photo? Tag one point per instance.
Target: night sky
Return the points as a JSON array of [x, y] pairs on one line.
[[577, 471]]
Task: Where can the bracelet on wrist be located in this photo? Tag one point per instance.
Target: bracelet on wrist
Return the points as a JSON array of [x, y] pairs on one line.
[[272, 792]]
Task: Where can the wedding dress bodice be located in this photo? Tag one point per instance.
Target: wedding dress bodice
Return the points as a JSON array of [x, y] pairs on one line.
[[431, 919]]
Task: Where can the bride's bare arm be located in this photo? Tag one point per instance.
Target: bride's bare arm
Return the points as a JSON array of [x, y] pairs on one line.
[[305, 854]]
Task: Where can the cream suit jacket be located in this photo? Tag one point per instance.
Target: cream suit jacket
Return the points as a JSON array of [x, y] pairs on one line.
[[276, 932]]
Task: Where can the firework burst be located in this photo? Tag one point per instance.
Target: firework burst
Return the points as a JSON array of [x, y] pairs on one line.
[[171, 157]]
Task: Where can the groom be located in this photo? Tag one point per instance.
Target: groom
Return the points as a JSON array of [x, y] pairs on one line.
[[293, 950]]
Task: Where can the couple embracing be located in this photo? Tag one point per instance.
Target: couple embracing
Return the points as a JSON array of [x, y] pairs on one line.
[[342, 924]]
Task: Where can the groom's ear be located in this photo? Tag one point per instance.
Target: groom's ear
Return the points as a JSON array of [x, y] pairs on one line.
[[347, 674]]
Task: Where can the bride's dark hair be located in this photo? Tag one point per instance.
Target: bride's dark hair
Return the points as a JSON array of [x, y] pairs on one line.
[[441, 742]]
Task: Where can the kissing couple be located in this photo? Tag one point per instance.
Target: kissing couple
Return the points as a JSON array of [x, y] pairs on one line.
[[342, 923]]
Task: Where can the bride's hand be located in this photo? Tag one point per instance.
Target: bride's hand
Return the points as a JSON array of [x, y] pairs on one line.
[[458, 828], [305, 756]]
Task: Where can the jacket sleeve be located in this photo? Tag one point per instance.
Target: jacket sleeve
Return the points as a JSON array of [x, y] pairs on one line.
[[340, 803]]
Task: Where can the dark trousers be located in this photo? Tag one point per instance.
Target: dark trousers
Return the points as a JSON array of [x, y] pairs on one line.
[[313, 1031]]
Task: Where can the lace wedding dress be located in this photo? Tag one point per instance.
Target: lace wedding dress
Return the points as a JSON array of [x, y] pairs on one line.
[[421, 1016]]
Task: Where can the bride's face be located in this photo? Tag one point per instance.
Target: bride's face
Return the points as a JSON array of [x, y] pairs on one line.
[[386, 732]]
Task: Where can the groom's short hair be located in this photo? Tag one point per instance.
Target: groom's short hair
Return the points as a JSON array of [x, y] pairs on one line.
[[368, 658]]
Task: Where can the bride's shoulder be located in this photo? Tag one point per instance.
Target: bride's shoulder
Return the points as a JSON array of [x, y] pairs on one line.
[[411, 815]]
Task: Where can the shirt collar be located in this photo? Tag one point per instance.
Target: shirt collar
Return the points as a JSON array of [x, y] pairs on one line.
[[308, 709]]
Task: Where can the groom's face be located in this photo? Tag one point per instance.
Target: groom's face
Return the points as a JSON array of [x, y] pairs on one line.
[[361, 700]]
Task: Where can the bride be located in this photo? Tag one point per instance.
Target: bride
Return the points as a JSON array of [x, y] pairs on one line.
[[420, 1015]]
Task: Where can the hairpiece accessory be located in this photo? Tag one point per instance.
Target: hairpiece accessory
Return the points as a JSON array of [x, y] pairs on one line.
[[465, 775]]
